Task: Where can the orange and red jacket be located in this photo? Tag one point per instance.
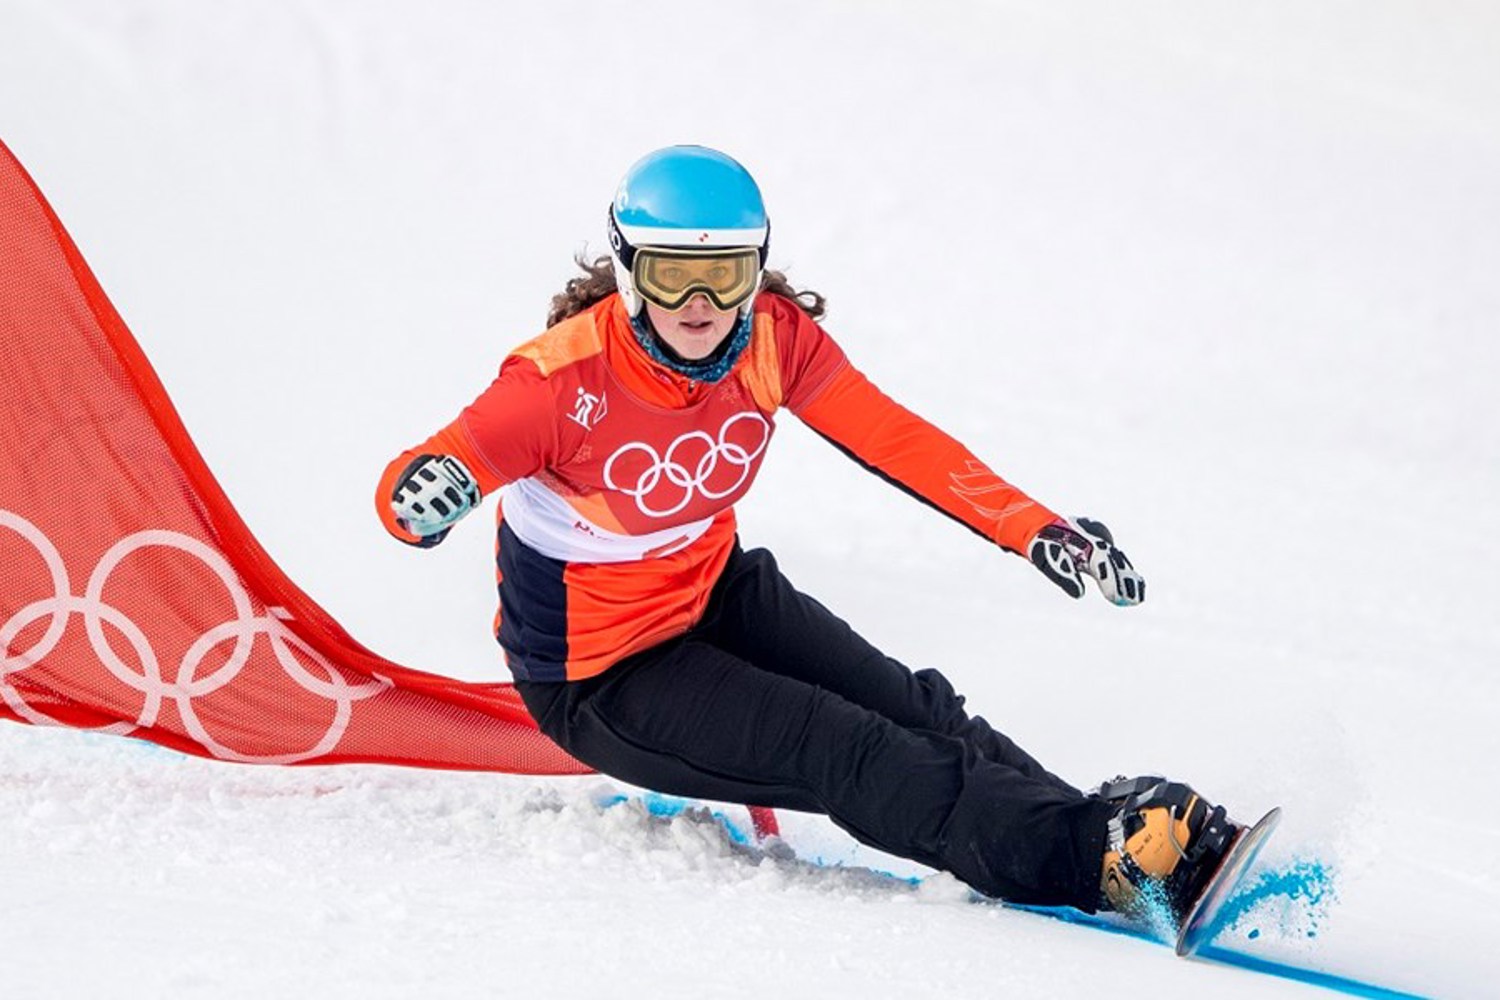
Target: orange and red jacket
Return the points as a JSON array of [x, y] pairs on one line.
[[618, 476]]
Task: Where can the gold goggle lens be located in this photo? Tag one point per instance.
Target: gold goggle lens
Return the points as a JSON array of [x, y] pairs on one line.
[[670, 277]]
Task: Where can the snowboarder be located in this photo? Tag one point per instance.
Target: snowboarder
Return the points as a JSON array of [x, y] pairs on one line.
[[652, 647]]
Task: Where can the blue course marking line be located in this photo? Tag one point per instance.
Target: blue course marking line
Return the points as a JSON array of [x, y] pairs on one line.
[[1327, 980], [1226, 956]]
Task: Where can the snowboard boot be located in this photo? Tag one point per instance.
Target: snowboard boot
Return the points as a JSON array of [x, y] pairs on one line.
[[1163, 845]]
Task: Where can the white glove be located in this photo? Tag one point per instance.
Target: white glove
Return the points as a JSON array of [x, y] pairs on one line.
[[431, 494], [1066, 551]]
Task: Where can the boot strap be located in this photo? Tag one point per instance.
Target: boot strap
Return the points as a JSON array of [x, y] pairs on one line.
[[1124, 788]]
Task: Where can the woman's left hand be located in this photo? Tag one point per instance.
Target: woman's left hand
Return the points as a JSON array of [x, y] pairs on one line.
[[1066, 551]]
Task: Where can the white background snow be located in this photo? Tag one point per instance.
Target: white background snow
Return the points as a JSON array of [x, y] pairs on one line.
[[1224, 275]]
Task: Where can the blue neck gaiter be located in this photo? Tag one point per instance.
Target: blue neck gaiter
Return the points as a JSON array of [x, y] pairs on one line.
[[710, 369]]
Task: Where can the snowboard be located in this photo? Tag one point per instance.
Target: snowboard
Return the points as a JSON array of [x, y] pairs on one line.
[[1198, 925]]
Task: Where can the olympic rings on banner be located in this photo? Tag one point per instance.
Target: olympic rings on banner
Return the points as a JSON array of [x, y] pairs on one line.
[[185, 685]]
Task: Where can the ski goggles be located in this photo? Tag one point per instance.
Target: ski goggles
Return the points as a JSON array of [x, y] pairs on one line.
[[670, 277]]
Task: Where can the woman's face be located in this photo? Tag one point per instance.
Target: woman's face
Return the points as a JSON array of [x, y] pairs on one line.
[[695, 330]]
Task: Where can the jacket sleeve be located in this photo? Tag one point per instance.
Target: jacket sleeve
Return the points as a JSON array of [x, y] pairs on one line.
[[845, 408], [508, 433]]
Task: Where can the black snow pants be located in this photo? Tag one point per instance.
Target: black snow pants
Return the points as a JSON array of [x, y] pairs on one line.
[[771, 700]]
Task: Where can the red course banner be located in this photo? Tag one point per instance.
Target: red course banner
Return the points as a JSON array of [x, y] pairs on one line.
[[133, 599]]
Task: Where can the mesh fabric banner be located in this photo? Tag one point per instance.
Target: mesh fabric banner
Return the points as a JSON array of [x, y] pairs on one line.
[[135, 601]]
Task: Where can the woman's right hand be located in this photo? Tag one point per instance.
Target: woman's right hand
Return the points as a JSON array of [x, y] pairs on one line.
[[431, 494]]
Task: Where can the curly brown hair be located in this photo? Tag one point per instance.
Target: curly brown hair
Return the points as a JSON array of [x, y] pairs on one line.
[[597, 282]]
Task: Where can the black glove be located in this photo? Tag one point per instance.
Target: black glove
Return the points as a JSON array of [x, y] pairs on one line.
[[1066, 551]]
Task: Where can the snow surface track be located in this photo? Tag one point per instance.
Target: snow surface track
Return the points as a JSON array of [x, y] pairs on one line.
[[1222, 275], [205, 879]]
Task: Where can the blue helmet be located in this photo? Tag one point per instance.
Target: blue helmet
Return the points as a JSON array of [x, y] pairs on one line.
[[688, 197]]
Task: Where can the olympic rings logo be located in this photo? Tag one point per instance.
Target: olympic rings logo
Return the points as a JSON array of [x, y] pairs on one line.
[[243, 629], [723, 467]]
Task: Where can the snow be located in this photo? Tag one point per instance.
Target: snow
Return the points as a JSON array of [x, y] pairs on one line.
[[1221, 276]]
